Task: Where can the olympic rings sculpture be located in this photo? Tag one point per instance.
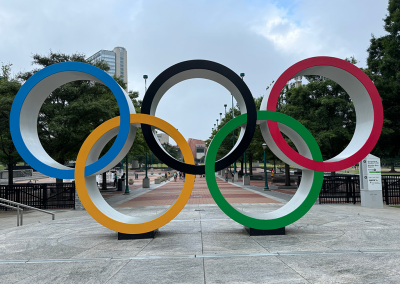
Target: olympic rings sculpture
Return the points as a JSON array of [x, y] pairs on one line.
[[27, 104]]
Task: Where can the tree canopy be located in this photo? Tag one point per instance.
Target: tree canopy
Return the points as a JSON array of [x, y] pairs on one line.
[[9, 87], [384, 70]]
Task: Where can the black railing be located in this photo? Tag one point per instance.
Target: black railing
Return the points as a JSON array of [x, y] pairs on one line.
[[41, 195], [391, 189], [340, 189], [346, 189]]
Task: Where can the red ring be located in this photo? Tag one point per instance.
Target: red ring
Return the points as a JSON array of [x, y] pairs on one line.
[[376, 104]]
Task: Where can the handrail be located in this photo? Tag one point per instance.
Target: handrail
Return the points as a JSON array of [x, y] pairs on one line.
[[25, 206], [18, 214]]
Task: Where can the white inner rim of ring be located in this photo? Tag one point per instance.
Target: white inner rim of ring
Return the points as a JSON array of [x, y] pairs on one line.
[[201, 74], [362, 104], [30, 111], [93, 190], [306, 181]]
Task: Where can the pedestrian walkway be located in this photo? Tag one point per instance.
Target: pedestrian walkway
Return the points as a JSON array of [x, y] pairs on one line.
[[167, 194]]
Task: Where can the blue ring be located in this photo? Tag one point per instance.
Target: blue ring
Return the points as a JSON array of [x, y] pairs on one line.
[[57, 68]]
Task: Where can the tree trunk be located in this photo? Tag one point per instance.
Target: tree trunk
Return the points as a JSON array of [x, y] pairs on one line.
[[392, 170], [287, 174], [274, 167], [241, 166], [104, 183], [333, 173], [10, 174]]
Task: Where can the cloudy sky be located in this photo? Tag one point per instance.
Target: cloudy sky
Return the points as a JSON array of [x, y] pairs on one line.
[[258, 38]]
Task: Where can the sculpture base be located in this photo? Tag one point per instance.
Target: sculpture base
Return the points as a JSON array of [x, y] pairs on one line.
[[246, 180], [256, 232], [148, 235]]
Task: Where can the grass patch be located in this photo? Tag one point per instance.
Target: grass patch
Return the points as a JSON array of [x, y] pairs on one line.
[[396, 206]]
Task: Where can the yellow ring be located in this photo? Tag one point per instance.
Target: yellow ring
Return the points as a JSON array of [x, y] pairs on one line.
[[102, 217]]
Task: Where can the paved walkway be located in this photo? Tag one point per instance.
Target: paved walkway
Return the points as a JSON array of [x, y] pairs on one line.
[[168, 193], [330, 244]]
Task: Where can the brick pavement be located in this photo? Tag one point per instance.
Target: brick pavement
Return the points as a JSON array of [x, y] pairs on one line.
[[261, 183], [168, 193]]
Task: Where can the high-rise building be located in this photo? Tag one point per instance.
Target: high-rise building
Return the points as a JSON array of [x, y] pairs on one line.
[[116, 59]]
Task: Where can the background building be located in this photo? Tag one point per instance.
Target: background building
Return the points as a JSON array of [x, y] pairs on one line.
[[198, 148], [163, 138], [116, 59]]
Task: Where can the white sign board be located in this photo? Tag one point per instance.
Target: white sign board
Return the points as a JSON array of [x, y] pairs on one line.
[[370, 173], [371, 182]]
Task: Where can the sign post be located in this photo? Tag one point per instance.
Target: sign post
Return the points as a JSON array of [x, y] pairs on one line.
[[371, 182]]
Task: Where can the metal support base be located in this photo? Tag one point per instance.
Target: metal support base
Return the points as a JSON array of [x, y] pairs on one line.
[[149, 235], [256, 232]]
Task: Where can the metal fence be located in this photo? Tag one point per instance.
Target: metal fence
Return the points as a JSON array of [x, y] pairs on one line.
[[346, 189], [41, 195], [391, 189], [340, 189]]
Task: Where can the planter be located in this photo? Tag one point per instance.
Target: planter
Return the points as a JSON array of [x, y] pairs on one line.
[[130, 181]]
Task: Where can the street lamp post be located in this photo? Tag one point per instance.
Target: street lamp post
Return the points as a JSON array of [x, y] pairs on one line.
[[217, 122], [145, 78], [233, 144], [245, 165], [151, 162], [265, 168], [146, 165], [146, 180], [126, 179], [220, 117], [225, 105], [246, 178]]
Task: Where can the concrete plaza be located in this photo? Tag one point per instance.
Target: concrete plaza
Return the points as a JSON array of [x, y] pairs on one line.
[[331, 244]]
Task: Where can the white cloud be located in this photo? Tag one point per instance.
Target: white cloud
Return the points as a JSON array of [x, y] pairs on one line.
[[281, 32]]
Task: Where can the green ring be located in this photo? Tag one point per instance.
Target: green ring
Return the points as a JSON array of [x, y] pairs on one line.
[[252, 222]]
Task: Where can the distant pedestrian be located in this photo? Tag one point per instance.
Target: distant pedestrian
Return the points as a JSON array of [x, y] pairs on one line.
[[183, 176], [115, 179], [226, 175], [166, 176], [175, 176]]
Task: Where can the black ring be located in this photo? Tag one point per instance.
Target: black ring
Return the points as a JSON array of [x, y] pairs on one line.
[[231, 76]]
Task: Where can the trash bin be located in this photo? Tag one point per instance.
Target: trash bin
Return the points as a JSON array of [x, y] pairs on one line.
[[121, 183]]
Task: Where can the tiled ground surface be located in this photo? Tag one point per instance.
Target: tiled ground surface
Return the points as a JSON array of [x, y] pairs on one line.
[[261, 183], [168, 193]]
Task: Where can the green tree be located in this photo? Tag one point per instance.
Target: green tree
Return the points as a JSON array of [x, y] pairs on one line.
[[172, 150], [9, 87], [384, 70]]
